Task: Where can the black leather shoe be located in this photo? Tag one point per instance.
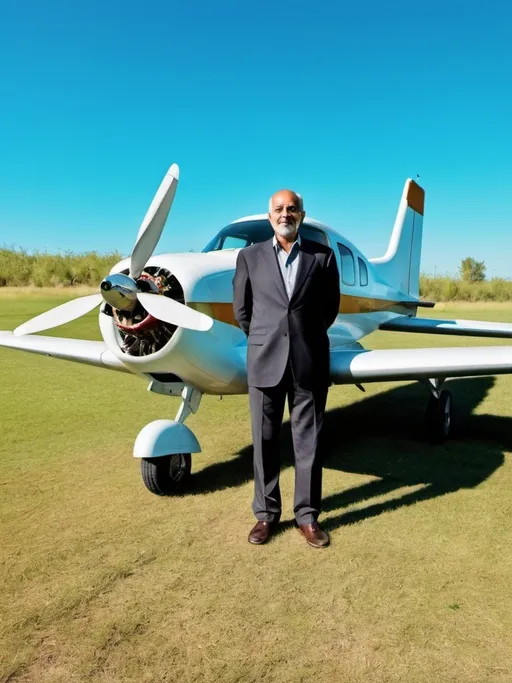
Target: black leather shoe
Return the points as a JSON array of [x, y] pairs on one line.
[[314, 535], [261, 532]]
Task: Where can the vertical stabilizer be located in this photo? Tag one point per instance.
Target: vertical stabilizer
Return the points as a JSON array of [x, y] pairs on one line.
[[400, 266]]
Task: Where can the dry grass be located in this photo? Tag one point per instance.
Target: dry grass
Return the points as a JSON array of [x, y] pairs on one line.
[[469, 308], [101, 581], [46, 292]]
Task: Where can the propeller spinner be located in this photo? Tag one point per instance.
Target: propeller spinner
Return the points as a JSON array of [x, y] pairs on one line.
[[122, 291]]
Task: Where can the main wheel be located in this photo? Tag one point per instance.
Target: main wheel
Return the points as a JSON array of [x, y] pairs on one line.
[[168, 475], [438, 417]]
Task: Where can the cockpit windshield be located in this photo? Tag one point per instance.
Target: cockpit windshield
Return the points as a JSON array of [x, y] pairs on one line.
[[245, 233]]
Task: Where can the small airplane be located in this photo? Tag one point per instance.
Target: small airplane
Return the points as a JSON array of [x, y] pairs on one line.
[[169, 320]]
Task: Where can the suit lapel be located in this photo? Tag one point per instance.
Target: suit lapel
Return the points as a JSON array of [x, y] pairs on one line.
[[269, 258], [305, 263]]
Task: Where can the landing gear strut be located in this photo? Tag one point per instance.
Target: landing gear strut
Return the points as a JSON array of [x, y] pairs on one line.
[[165, 446], [438, 416]]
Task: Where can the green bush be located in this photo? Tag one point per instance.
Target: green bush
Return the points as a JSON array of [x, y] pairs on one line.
[[18, 268], [445, 288]]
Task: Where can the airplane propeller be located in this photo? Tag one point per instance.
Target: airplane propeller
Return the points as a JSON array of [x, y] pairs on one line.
[[122, 291]]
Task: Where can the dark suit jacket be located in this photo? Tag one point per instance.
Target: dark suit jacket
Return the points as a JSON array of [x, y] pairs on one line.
[[279, 328]]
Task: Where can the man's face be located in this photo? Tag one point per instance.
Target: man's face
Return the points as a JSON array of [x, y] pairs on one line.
[[285, 214]]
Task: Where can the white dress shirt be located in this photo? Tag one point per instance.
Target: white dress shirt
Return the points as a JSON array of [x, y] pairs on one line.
[[288, 263]]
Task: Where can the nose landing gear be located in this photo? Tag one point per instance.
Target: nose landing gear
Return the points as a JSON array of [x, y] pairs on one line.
[[164, 447], [167, 475]]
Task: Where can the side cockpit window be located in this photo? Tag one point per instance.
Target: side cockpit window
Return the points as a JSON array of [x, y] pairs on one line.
[[233, 242], [363, 272], [313, 234], [348, 269]]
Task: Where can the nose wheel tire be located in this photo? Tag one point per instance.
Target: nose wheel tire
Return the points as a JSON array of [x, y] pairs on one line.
[[168, 475], [438, 418]]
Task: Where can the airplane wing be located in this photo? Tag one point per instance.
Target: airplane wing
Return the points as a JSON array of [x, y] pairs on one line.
[[357, 366], [469, 328], [78, 350]]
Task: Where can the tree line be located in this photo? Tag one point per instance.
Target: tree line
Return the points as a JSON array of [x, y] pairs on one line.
[[471, 285], [19, 268]]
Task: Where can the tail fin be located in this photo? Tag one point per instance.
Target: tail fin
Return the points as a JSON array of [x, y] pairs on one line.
[[400, 266]]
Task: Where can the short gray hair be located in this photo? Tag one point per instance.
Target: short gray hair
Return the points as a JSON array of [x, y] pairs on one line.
[[299, 197]]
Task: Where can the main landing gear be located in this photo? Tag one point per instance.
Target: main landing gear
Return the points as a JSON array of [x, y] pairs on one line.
[[438, 416], [165, 446]]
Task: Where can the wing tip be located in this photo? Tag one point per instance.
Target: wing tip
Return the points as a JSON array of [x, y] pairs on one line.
[[174, 171]]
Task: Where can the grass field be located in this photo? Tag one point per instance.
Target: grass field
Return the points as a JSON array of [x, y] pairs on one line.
[[102, 581]]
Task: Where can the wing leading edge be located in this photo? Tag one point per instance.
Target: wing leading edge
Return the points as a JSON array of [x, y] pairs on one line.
[[349, 367], [468, 328], [78, 350]]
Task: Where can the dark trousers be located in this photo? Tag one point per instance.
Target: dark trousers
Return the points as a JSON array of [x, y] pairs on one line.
[[306, 416]]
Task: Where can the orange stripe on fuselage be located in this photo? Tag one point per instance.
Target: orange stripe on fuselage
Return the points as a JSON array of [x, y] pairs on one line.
[[362, 304], [223, 312]]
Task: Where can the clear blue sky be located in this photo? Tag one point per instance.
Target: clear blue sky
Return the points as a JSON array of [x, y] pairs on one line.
[[340, 101]]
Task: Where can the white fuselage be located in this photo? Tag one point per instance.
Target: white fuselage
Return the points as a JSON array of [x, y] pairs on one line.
[[214, 362]]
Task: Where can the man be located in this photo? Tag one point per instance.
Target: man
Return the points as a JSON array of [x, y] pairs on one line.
[[286, 296]]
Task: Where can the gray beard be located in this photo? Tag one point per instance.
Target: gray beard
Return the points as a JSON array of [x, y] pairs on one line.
[[286, 231]]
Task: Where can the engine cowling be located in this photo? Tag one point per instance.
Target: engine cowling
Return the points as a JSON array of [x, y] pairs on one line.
[[140, 333], [212, 361]]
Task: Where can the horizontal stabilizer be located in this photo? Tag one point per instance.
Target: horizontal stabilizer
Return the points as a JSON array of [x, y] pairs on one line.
[[418, 304], [350, 367], [468, 328], [78, 350]]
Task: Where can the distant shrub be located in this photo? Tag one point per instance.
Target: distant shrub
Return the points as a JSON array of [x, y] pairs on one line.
[[15, 267], [449, 290], [471, 270], [18, 268], [501, 289]]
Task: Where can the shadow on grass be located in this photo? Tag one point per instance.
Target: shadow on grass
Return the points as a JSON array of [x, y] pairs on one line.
[[383, 436]]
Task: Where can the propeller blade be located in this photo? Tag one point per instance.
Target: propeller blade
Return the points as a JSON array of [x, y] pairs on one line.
[[154, 221], [170, 311], [59, 315]]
